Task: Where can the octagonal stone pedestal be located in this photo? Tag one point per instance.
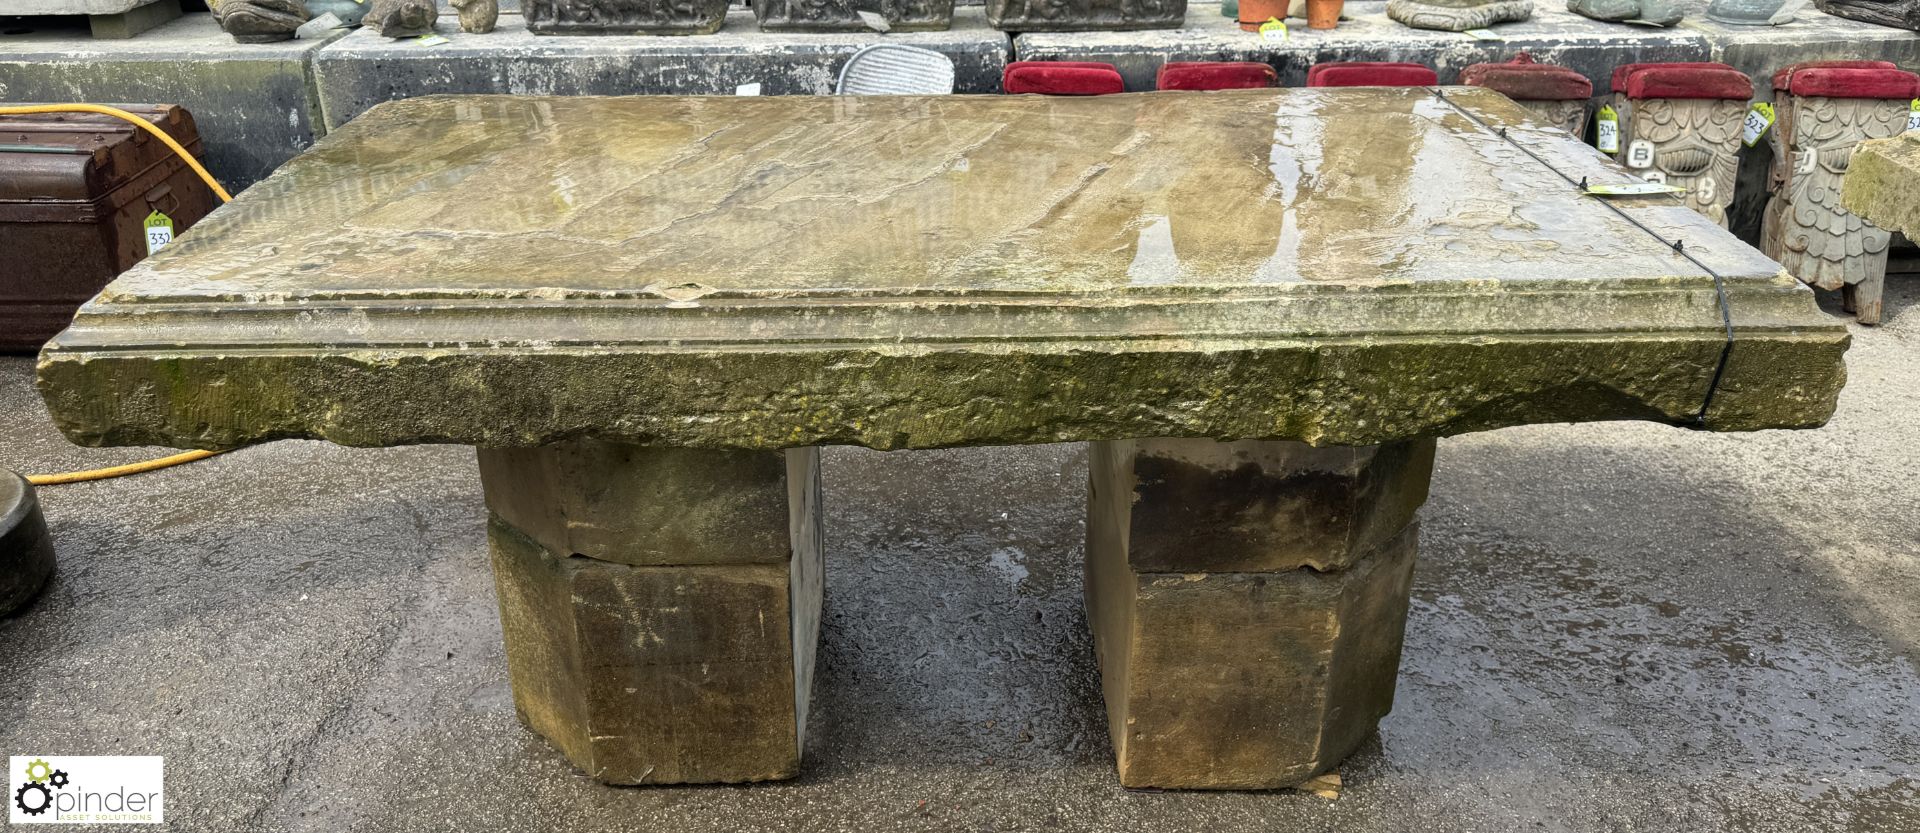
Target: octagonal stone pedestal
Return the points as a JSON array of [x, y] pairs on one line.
[[1248, 601], [660, 606], [639, 307]]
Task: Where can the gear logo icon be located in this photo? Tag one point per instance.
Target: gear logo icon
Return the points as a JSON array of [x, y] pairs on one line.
[[38, 771], [58, 779], [33, 808]]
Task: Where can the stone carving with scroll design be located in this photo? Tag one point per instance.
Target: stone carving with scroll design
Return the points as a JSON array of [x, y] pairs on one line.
[[1457, 15], [1696, 145], [1680, 124], [844, 15], [1570, 116], [1805, 227], [1085, 15], [1557, 94], [607, 17], [402, 18], [260, 21], [1900, 14]]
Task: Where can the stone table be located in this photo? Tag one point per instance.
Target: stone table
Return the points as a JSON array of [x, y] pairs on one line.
[[1261, 306]]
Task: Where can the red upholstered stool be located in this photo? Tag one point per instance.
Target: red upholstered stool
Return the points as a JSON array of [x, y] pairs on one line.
[[1556, 94], [1061, 78], [1822, 109], [1680, 124], [1215, 75], [1370, 74]]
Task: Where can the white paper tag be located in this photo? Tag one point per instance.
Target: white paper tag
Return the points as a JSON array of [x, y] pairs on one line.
[[747, 89], [159, 231], [1482, 34], [318, 27], [1634, 189], [1913, 115], [1759, 118], [874, 21], [1606, 130], [433, 40]]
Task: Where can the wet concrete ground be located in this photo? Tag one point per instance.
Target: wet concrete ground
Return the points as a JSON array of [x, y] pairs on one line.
[[1615, 627]]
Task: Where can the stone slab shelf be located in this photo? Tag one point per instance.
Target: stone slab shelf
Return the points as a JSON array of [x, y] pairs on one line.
[[107, 19], [364, 69]]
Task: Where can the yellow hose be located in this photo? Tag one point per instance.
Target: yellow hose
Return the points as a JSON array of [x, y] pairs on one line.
[[35, 109], [145, 465]]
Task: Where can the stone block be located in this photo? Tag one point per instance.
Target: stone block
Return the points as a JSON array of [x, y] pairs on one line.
[[1245, 678], [364, 69], [1253, 506], [254, 103], [647, 17], [644, 506], [844, 15], [666, 674], [133, 21], [1085, 15], [1553, 35], [1881, 181]]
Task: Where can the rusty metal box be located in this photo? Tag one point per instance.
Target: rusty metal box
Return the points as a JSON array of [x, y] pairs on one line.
[[75, 191]]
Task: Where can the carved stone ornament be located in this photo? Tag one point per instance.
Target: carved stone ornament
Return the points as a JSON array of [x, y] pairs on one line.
[[1570, 116], [477, 17], [402, 18], [844, 15], [1656, 12], [1692, 143], [1805, 227], [1085, 15], [614, 17], [1457, 15], [260, 21]]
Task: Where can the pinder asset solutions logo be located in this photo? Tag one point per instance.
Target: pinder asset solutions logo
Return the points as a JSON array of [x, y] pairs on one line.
[[99, 789]]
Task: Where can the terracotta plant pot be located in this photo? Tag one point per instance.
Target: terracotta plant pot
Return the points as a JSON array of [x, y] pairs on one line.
[[1255, 12], [1324, 14]]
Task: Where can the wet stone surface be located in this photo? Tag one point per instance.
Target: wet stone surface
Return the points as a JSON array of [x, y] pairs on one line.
[[1614, 627], [1341, 267]]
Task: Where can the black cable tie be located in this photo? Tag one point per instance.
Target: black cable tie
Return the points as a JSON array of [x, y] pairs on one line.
[[1719, 282]]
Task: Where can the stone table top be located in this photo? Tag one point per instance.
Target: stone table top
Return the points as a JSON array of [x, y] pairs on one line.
[[1335, 266]]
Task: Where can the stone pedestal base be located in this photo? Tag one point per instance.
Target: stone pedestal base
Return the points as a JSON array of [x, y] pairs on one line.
[[660, 606], [1248, 601]]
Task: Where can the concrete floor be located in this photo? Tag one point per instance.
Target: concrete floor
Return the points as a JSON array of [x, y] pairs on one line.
[[1615, 627]]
